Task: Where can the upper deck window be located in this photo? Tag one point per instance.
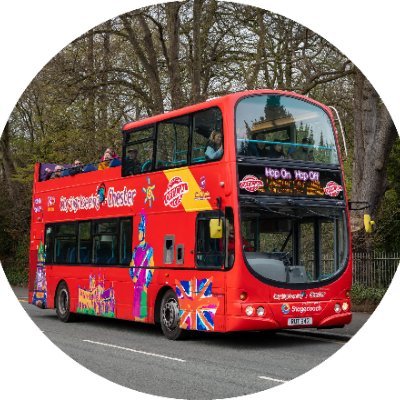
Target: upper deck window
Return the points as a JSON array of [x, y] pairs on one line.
[[188, 139], [276, 126], [173, 143], [138, 151], [207, 142]]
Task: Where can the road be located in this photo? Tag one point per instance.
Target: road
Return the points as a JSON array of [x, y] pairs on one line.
[[205, 366]]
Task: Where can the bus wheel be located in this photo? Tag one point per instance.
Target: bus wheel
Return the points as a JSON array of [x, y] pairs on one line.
[[169, 316], [63, 303]]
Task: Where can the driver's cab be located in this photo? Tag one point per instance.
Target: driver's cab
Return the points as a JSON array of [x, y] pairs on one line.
[[294, 245]]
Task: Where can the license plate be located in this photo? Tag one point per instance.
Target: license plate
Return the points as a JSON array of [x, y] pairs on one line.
[[300, 321]]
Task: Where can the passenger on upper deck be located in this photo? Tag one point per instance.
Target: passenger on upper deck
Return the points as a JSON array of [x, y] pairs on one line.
[[259, 149], [57, 172], [112, 153], [77, 167], [276, 151], [133, 165], [304, 153], [48, 174], [107, 157], [214, 149]]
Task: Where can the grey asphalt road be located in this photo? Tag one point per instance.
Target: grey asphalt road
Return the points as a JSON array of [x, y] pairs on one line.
[[206, 366]]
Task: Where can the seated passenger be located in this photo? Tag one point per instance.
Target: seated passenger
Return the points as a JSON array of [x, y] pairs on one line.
[[276, 151], [133, 165], [57, 172], [259, 149], [304, 153], [214, 149], [77, 167], [112, 153], [106, 161], [47, 174]]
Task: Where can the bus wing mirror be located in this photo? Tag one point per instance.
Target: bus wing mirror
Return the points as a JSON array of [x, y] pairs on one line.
[[216, 228], [368, 223]]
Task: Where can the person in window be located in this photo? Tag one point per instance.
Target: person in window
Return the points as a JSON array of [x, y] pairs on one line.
[[304, 152], [107, 157], [259, 149], [276, 151], [214, 149], [57, 172], [133, 165]]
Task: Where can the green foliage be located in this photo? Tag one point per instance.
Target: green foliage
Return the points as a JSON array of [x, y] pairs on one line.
[[387, 234], [361, 294], [16, 266], [17, 276]]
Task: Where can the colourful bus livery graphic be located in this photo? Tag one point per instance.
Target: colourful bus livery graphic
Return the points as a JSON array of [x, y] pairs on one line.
[[251, 183], [217, 218], [197, 304], [96, 300], [176, 189]]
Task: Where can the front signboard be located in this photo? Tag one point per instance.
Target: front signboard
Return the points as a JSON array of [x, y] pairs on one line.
[[267, 180]]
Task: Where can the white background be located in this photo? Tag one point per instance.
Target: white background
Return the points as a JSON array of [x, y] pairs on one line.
[[32, 32]]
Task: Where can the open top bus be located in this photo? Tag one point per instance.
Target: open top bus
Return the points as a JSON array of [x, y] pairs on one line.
[[227, 215]]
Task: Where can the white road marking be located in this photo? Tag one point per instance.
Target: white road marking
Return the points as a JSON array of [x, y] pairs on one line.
[[135, 351], [268, 378]]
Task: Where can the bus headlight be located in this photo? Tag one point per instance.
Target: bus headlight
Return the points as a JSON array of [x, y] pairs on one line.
[[337, 308], [249, 311], [345, 306], [260, 311]]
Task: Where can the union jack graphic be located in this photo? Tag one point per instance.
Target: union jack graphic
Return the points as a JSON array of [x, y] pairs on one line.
[[197, 305]]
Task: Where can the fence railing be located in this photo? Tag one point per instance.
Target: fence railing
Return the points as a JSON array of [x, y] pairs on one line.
[[373, 269]]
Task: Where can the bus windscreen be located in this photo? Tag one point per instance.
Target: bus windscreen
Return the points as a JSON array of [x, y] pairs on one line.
[[281, 127]]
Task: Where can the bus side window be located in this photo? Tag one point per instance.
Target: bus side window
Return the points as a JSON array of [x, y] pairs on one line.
[[138, 151], [204, 123], [49, 244], [173, 143], [210, 252]]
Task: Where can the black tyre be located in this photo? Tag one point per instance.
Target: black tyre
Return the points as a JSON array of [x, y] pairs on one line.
[[63, 303], [169, 317]]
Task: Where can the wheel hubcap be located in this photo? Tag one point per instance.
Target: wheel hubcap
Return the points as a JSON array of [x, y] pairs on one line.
[[63, 301], [170, 314]]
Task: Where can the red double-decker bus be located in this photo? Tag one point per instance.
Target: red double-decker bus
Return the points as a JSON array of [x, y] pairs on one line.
[[223, 216]]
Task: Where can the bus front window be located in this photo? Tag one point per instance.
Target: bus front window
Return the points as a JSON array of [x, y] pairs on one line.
[[295, 246], [276, 126]]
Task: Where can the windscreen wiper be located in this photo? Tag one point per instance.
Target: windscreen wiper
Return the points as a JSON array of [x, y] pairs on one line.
[[266, 208]]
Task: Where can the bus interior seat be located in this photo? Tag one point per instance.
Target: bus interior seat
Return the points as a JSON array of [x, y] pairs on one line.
[[84, 255], [112, 260], [102, 254], [199, 159], [146, 166], [71, 255]]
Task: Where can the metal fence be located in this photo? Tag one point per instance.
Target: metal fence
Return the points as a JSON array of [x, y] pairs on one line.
[[375, 269]]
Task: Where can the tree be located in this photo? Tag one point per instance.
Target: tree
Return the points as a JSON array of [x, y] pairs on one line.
[[374, 137]]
